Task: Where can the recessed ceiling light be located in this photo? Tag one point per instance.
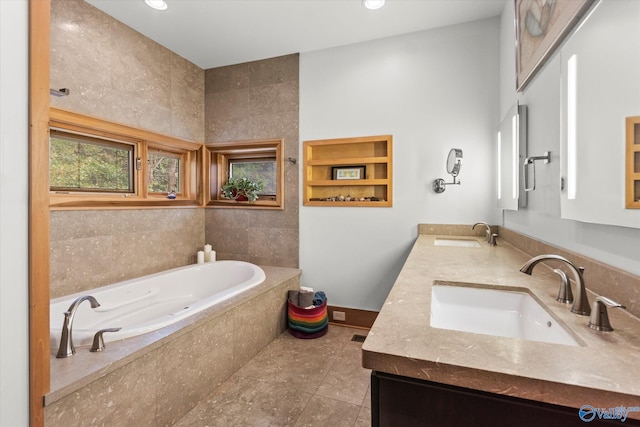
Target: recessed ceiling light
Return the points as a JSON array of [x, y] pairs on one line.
[[373, 4], [156, 4]]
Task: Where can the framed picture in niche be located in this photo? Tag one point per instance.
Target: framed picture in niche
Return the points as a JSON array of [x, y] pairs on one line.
[[541, 26], [348, 172]]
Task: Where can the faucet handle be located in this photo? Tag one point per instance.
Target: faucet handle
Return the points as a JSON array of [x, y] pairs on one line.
[[599, 319], [564, 293], [98, 340]]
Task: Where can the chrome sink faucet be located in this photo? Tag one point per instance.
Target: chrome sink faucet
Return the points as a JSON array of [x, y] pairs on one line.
[[487, 233], [66, 348], [581, 302]]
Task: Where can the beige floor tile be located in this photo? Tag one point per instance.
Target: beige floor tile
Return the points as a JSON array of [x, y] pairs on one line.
[[364, 417], [346, 381], [367, 397], [323, 412], [246, 402]]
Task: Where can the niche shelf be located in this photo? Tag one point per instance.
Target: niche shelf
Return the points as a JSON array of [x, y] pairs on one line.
[[633, 163], [354, 172]]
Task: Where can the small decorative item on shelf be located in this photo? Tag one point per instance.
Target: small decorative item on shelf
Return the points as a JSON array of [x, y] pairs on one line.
[[346, 199], [171, 195], [241, 189]]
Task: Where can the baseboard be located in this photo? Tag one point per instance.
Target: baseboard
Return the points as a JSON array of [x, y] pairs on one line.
[[353, 317]]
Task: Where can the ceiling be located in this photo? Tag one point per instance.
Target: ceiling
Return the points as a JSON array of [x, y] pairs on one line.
[[213, 33]]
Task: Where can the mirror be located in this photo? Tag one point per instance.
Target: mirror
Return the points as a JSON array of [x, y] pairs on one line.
[[600, 88], [454, 163], [512, 149]]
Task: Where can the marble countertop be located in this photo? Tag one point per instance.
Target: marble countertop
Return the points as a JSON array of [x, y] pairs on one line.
[[603, 371]]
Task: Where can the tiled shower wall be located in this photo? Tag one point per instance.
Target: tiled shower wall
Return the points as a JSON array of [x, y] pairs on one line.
[[118, 74], [252, 101]]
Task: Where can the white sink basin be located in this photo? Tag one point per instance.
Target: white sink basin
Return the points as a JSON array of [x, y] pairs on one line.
[[502, 312], [463, 243]]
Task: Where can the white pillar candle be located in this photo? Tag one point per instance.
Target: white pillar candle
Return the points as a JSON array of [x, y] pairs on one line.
[[207, 253], [200, 257], [212, 256]]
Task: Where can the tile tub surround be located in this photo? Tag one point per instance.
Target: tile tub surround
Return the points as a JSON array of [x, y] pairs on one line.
[[603, 372], [156, 378], [92, 248], [116, 73], [252, 101]]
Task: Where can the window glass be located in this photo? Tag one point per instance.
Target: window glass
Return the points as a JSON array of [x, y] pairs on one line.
[[79, 163], [263, 170], [164, 173]]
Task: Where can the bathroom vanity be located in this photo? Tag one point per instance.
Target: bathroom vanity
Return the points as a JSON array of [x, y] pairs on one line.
[[423, 375]]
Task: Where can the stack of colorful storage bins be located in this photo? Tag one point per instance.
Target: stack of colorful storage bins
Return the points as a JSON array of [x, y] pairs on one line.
[[310, 320]]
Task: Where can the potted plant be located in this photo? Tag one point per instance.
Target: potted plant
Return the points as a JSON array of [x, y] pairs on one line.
[[241, 189]]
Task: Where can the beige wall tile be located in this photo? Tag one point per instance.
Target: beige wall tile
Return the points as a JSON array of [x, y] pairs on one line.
[[112, 400], [256, 100], [95, 248], [116, 73]]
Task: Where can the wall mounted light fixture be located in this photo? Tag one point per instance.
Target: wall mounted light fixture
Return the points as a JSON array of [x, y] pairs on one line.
[[454, 163]]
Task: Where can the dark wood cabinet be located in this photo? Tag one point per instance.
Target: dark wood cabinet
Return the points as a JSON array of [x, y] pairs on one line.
[[400, 401]]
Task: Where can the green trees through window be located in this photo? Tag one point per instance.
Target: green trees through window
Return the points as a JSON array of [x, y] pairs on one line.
[[95, 163], [164, 173], [79, 163], [262, 170]]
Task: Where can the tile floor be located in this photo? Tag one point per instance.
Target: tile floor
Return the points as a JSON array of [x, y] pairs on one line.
[[294, 382]]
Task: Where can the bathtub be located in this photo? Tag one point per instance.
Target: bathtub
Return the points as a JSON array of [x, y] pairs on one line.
[[148, 303]]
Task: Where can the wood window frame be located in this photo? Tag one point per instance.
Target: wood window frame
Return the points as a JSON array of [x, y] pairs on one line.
[[144, 141], [182, 158], [133, 145], [216, 171]]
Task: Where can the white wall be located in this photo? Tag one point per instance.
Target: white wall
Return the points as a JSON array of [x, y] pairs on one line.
[[617, 246], [433, 91], [14, 332]]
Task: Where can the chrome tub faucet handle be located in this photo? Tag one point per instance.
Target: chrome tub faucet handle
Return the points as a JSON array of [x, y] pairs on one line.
[[98, 340]]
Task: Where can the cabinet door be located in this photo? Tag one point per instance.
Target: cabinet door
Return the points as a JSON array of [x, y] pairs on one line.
[[401, 401]]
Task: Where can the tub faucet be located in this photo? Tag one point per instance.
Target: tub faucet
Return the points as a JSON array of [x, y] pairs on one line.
[[66, 348], [487, 233], [581, 302]]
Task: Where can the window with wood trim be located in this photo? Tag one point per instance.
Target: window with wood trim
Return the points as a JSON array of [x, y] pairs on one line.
[[256, 160], [97, 163], [79, 163]]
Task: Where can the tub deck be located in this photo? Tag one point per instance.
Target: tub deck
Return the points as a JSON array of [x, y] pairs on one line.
[[267, 299]]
